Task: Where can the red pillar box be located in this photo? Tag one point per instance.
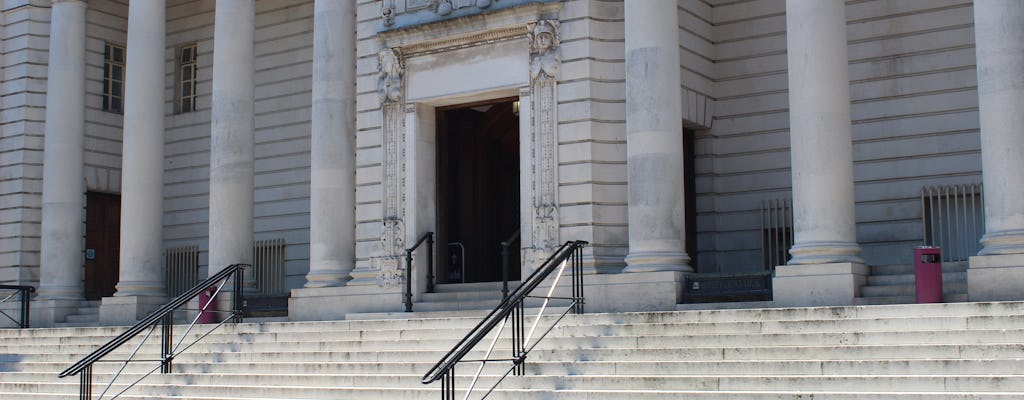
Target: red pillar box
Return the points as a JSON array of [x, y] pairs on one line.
[[928, 274]]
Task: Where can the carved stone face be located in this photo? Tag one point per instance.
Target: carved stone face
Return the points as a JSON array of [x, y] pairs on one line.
[[544, 41]]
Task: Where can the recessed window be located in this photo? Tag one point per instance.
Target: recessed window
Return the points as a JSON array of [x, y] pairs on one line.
[[113, 78], [187, 72]]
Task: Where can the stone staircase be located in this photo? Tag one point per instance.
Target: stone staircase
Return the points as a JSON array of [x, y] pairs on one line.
[[928, 351], [88, 315], [894, 284]]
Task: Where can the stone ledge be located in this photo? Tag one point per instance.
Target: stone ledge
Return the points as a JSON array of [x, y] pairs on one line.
[[995, 277], [833, 284]]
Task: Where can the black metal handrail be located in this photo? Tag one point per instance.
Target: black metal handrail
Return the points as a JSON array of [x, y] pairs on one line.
[[512, 308], [505, 253], [163, 316], [429, 238], [24, 293]]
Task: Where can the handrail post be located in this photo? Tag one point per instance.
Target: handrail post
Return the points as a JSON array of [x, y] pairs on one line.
[[166, 343], [430, 262], [85, 383], [505, 253], [26, 300], [504, 270], [238, 297], [408, 280]]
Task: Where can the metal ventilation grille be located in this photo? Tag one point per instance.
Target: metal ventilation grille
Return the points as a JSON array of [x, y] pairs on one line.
[[776, 232], [182, 267], [268, 267], [953, 218]]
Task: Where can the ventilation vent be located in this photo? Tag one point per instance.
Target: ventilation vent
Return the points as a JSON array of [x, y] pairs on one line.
[[776, 232], [268, 267], [954, 219], [182, 267]]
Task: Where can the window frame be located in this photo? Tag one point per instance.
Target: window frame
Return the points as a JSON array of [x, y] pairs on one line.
[[186, 73], [109, 96]]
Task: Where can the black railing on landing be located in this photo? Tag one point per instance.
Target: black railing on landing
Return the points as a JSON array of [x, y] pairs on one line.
[[429, 238], [23, 294], [511, 310], [164, 318]]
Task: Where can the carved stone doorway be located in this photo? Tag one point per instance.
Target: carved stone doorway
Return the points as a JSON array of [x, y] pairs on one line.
[[477, 190]]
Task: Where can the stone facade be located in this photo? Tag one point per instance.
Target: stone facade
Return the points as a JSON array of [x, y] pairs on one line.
[[575, 68]]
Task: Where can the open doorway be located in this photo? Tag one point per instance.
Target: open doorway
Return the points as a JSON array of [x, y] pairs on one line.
[[477, 190]]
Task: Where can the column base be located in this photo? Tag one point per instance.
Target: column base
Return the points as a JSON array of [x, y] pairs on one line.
[[1002, 243], [333, 303], [832, 284], [47, 313], [825, 252], [995, 277], [127, 310], [638, 291], [320, 280], [657, 261]]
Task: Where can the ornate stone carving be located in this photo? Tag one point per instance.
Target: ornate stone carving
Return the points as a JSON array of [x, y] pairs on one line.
[[545, 53], [390, 272], [445, 7], [388, 11], [393, 201], [545, 59], [389, 75]]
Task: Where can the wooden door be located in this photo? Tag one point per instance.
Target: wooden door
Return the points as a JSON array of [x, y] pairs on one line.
[[102, 244]]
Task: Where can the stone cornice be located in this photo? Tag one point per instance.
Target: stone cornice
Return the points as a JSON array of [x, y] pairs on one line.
[[467, 31], [464, 40]]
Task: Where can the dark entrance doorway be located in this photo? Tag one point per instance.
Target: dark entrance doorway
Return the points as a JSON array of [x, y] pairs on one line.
[[478, 190], [102, 244]]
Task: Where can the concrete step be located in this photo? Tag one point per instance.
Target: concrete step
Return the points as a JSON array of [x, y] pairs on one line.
[[910, 351], [908, 279], [950, 288], [214, 383], [908, 269], [501, 394]]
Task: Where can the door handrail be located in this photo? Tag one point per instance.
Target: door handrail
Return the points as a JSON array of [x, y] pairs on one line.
[[429, 238]]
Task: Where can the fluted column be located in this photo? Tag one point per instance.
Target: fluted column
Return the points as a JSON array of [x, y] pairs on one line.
[[654, 138], [997, 273], [63, 155], [820, 139], [231, 136], [332, 181], [142, 171]]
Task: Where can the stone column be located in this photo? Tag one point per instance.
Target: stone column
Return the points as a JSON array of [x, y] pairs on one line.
[[998, 272], [654, 138], [231, 137], [61, 271], [141, 288], [332, 181], [826, 268]]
